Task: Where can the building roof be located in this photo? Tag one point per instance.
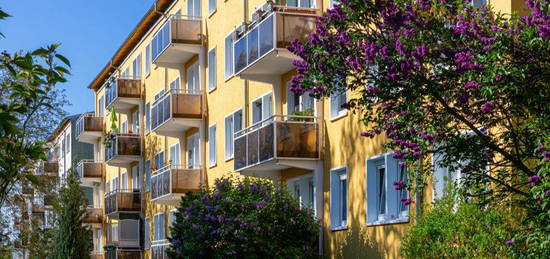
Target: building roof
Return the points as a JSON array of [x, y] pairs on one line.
[[144, 25]]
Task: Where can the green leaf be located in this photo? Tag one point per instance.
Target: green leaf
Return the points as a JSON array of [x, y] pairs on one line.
[[64, 59]]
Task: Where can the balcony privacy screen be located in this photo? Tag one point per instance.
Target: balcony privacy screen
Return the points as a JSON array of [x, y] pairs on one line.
[[159, 251], [170, 181], [123, 146], [88, 122], [176, 104], [90, 169], [177, 30], [95, 215], [130, 88], [120, 201], [275, 31], [277, 139]]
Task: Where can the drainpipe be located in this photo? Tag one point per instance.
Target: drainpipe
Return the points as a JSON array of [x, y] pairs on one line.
[[203, 125], [319, 175], [246, 82]]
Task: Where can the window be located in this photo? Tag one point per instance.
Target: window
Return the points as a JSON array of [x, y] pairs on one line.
[[333, 2], [175, 157], [193, 81], [194, 8], [193, 151], [99, 241], [338, 198], [478, 3], [336, 102], [147, 174], [115, 184], [135, 122], [159, 227], [212, 145], [107, 187], [233, 123], [136, 183], [229, 68], [126, 73], [175, 84], [101, 107], [68, 143], [301, 3], [211, 6], [147, 233], [303, 188], [172, 217], [148, 59], [262, 108], [299, 103], [212, 69], [159, 94], [136, 66], [125, 126], [159, 160], [384, 203], [124, 181], [147, 117]]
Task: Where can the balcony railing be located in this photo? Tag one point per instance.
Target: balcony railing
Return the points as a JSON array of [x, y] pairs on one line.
[[177, 111], [178, 40], [123, 254], [94, 216], [263, 145], [123, 93], [262, 49], [123, 149], [122, 201], [125, 233], [159, 251], [89, 128], [171, 182], [90, 170]]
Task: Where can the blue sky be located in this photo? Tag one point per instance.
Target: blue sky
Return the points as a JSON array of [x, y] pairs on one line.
[[90, 32]]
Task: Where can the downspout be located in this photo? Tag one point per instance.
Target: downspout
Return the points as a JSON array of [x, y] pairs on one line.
[[203, 86], [246, 82], [320, 179]]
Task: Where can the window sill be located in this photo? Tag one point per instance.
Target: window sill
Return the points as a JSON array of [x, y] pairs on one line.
[[341, 228], [388, 222], [212, 90], [212, 166], [229, 159], [229, 78], [344, 114]]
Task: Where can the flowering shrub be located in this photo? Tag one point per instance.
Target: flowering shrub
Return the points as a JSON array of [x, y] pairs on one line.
[[450, 230], [445, 77], [243, 218]]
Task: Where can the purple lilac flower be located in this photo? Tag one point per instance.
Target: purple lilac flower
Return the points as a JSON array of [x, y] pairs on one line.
[[406, 201], [367, 134], [399, 185], [487, 107], [534, 180], [509, 242], [547, 155], [548, 192], [471, 84], [540, 148]]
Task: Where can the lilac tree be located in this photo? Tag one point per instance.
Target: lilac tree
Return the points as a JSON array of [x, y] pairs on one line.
[[443, 77]]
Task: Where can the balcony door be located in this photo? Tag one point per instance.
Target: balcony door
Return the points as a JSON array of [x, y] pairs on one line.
[[193, 152], [124, 181], [115, 184], [193, 81], [299, 104], [175, 158], [135, 178], [301, 3], [194, 8]]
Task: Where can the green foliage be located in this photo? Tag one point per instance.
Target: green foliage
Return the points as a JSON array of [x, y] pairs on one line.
[[247, 218], [459, 230], [71, 238], [306, 112]]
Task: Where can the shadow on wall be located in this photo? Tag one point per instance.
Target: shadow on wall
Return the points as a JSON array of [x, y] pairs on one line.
[[347, 147]]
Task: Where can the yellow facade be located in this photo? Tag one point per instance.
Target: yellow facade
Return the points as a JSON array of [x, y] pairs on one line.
[[341, 145]]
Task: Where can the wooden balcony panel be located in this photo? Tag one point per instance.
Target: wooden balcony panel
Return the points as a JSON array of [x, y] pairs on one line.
[[129, 88], [187, 106], [94, 216]]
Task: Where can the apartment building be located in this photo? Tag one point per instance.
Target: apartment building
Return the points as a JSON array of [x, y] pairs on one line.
[[199, 90]]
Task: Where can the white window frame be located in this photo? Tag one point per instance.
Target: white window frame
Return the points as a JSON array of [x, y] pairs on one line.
[[194, 151], [212, 77], [231, 67], [176, 83], [212, 143], [124, 127], [163, 160], [194, 77], [136, 181], [135, 122], [229, 144], [303, 182], [212, 6], [299, 4], [263, 115], [157, 235], [340, 112], [392, 211], [291, 105], [336, 207], [147, 175], [148, 59], [147, 233], [147, 117], [171, 219], [136, 65], [101, 106], [177, 157]]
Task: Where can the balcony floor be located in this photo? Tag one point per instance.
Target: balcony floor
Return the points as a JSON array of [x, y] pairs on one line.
[[271, 168], [175, 127], [124, 104], [90, 137], [176, 54], [173, 199], [123, 160], [272, 64]]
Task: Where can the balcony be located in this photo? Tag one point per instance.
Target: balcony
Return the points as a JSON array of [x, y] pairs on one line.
[[123, 94], [177, 111], [124, 233], [261, 52], [90, 171], [94, 216], [122, 202], [89, 128], [159, 251], [277, 143], [172, 182], [123, 254], [49, 200], [123, 149], [179, 39]]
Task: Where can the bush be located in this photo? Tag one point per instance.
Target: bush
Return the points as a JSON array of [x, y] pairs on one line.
[[247, 218], [459, 230]]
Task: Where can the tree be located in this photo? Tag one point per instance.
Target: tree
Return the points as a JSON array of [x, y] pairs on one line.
[[71, 238], [444, 77], [243, 218], [30, 106]]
